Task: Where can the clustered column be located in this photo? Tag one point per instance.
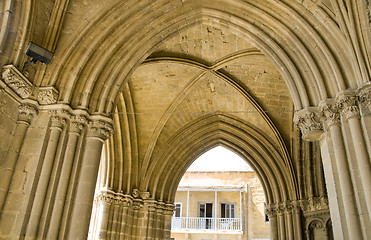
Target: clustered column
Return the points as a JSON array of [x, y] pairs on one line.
[[141, 218], [98, 131], [342, 127]]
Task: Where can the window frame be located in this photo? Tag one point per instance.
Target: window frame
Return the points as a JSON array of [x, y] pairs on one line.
[[181, 209], [230, 209]]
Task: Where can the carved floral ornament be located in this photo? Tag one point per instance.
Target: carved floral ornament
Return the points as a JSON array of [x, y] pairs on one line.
[[19, 83], [16, 81], [309, 205], [310, 124]]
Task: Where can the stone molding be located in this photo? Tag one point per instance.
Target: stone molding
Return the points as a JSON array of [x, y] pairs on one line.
[[16, 81], [136, 202], [311, 205], [19, 83], [110, 197]]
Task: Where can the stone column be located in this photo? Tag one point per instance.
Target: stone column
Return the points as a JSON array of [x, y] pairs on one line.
[[282, 223], [136, 207], [341, 169], [26, 114], [168, 213], [362, 164], [105, 199], [56, 127], [288, 220], [273, 221], [115, 219], [98, 131], [151, 206], [297, 222], [75, 129]]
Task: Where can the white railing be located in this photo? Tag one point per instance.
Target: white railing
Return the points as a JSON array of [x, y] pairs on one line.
[[198, 223]]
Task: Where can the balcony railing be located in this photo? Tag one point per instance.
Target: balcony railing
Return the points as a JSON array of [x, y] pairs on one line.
[[199, 223]]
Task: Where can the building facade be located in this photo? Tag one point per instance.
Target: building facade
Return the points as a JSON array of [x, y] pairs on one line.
[[140, 89], [220, 205]]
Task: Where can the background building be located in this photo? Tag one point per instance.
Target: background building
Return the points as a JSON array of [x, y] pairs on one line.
[[237, 214], [141, 88]]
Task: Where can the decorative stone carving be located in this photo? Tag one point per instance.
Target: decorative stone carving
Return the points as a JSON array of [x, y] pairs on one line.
[[144, 195], [331, 114], [111, 197], [47, 95], [26, 113], [271, 210], [17, 81], [58, 122], [349, 107], [136, 193], [100, 129], [315, 204], [365, 101], [137, 204], [309, 122], [77, 123]]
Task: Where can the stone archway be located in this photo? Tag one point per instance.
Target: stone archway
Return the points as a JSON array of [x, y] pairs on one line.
[[320, 48]]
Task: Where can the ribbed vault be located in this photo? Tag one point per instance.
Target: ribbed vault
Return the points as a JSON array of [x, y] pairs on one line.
[[102, 55], [167, 168]]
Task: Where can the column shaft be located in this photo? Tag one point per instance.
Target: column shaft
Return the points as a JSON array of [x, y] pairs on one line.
[[347, 192], [79, 221], [363, 160], [61, 193]]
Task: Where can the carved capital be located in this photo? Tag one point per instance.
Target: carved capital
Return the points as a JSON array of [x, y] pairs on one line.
[[169, 209], [310, 124], [331, 114], [77, 124], [26, 113], [349, 106], [58, 122], [271, 210], [15, 80], [125, 200], [365, 101], [105, 197], [47, 95], [151, 205], [99, 129], [137, 204]]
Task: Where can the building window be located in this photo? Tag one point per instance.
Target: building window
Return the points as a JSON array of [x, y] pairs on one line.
[[178, 209], [227, 210]]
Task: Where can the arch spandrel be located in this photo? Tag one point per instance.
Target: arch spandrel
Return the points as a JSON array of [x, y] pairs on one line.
[[288, 38]]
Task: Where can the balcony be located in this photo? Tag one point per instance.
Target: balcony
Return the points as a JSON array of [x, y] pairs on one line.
[[206, 224]]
